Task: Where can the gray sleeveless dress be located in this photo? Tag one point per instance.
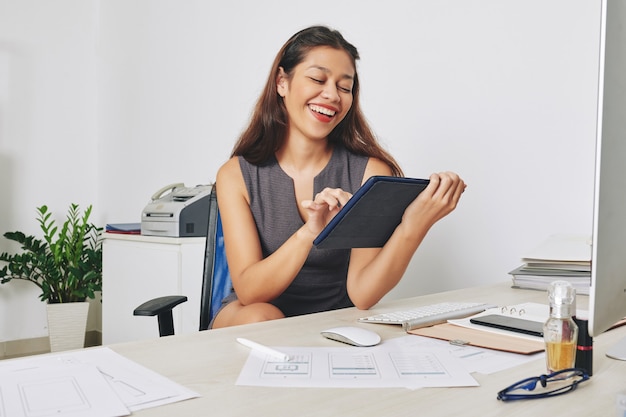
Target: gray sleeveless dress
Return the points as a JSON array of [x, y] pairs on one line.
[[321, 283]]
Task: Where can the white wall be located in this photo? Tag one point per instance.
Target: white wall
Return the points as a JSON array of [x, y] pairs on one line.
[[48, 131], [149, 92]]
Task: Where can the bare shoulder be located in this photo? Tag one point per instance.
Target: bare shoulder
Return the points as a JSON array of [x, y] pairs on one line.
[[229, 173], [376, 166], [229, 168], [229, 178]]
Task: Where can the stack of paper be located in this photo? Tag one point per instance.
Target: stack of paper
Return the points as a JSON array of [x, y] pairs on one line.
[[87, 383], [559, 257]]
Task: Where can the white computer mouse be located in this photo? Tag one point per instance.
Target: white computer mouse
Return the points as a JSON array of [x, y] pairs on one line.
[[352, 335]]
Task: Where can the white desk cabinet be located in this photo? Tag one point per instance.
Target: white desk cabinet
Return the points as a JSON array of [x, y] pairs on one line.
[[137, 268]]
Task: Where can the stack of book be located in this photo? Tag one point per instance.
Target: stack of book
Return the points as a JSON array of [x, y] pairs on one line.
[[559, 257]]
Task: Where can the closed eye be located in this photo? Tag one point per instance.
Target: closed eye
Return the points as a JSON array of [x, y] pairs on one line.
[[346, 90]]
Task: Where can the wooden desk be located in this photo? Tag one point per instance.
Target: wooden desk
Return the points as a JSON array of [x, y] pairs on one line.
[[209, 363]]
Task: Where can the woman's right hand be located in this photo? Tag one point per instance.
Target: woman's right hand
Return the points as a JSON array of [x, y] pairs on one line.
[[324, 207]]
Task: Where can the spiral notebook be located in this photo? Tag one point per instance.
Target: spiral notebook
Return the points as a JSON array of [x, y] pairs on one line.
[[369, 218]]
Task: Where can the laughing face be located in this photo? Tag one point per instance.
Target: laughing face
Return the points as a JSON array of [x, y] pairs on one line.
[[318, 92]]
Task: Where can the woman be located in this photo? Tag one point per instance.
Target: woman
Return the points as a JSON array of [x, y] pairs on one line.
[[306, 150]]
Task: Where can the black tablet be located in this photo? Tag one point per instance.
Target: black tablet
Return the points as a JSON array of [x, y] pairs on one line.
[[512, 324], [372, 214]]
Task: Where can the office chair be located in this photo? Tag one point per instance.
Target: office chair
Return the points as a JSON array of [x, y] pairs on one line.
[[216, 282]]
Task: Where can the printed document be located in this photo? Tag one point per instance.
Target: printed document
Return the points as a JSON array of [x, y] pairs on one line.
[[89, 382], [384, 365]]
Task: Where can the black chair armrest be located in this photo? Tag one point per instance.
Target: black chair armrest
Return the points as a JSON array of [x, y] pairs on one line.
[[161, 307]]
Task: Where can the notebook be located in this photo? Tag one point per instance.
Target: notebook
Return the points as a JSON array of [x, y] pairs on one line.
[[369, 218], [464, 336]]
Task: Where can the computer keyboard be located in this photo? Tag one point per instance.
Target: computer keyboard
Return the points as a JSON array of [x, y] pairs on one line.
[[428, 315]]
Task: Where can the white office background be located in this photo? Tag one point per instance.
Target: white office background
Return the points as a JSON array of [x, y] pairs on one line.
[[103, 102]]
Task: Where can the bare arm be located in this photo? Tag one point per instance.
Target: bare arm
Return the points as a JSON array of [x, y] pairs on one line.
[[374, 272], [257, 279]]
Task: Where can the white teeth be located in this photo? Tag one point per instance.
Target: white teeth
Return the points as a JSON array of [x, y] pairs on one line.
[[322, 110]]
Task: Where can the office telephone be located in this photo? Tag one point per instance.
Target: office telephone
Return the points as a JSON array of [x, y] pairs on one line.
[[180, 192]]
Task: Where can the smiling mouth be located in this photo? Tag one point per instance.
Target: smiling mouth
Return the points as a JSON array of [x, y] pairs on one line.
[[322, 110]]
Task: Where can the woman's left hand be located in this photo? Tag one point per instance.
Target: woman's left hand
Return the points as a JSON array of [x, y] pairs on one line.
[[439, 198]]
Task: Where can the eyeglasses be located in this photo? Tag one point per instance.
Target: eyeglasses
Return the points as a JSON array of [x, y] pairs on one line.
[[561, 382]]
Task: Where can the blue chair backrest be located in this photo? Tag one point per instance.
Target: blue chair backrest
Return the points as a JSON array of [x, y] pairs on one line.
[[216, 282], [222, 284]]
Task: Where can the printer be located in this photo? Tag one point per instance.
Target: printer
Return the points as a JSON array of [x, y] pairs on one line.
[[177, 211]]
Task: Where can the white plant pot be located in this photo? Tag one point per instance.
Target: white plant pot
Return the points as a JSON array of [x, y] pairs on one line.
[[67, 323]]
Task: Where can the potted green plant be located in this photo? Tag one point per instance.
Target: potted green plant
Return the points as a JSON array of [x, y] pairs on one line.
[[67, 267]]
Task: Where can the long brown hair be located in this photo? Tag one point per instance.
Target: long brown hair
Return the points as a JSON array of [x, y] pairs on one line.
[[267, 130]]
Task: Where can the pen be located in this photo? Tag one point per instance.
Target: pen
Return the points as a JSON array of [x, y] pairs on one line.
[[261, 348]]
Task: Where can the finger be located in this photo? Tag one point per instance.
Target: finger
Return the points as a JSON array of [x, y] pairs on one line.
[[461, 188], [343, 198], [310, 205], [433, 185], [322, 199], [456, 187], [443, 183], [450, 185], [333, 197]]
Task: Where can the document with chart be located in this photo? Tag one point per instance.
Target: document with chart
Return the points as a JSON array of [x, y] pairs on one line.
[[385, 365]]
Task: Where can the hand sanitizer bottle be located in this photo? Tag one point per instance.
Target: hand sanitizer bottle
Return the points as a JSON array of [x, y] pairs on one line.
[[560, 332]]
